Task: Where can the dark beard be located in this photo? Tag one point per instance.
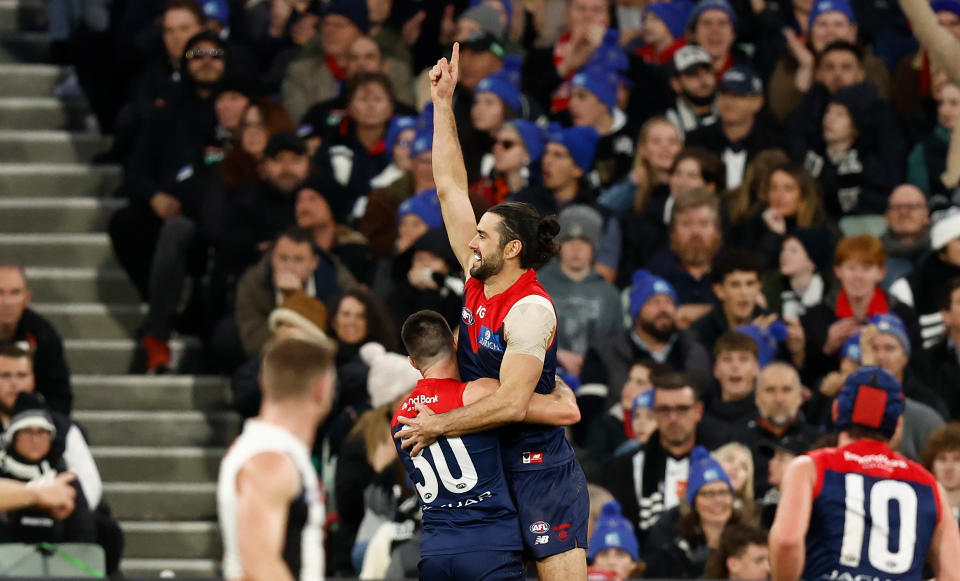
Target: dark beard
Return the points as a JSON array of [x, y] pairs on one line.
[[487, 269], [697, 251], [700, 101], [662, 335]]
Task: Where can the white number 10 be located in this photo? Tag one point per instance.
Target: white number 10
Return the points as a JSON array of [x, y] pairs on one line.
[[878, 549]]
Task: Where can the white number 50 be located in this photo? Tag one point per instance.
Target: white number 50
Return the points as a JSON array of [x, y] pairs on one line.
[[878, 549], [468, 472]]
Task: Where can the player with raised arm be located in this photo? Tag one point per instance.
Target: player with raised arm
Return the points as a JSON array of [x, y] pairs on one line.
[[507, 331], [268, 497], [860, 510], [470, 526]]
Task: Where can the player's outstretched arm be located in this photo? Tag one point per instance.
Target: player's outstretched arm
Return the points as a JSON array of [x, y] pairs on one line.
[[449, 171], [944, 552], [265, 487], [558, 408], [789, 531]]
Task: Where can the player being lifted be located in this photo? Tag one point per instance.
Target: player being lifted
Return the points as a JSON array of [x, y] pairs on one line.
[[470, 526], [860, 510], [507, 331]]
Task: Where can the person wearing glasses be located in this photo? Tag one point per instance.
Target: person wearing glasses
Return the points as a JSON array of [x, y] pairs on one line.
[[685, 538], [907, 239], [651, 481], [517, 150]]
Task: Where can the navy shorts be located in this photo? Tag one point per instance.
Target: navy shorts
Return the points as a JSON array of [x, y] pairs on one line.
[[553, 507], [473, 566]]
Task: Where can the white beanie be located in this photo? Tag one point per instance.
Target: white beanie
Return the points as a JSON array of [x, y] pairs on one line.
[[946, 227], [391, 374]]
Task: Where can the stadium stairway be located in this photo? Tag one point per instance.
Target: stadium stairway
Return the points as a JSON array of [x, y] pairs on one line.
[[157, 440]]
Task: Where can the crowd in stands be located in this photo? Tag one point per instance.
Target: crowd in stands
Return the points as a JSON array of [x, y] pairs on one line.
[[755, 199]]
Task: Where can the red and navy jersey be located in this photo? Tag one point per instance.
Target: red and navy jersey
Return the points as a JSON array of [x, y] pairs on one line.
[[463, 492], [874, 514], [481, 346]]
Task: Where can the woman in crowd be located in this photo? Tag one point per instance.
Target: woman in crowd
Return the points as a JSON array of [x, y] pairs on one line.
[[941, 455], [803, 277], [737, 462], [789, 199], [496, 100], [682, 541], [517, 151], [646, 227], [739, 204], [356, 151]]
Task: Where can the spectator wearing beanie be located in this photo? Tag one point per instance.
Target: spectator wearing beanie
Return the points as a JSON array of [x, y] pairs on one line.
[[926, 284], [713, 26], [590, 304], [653, 335], [567, 160], [928, 160], [681, 548], [907, 239], [613, 545], [401, 132], [803, 275], [299, 316], [593, 103], [741, 133], [363, 460], [663, 32], [517, 152], [799, 73], [496, 100], [860, 160]]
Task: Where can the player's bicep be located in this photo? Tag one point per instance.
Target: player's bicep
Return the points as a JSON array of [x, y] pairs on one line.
[[479, 389], [796, 501], [265, 487], [944, 551]]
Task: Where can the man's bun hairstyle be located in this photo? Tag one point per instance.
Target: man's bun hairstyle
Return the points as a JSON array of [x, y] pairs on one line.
[[522, 222]]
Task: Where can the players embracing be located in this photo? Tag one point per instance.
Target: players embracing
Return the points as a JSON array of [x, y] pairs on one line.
[[508, 332]]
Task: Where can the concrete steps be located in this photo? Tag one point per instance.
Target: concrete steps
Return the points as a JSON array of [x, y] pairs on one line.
[[93, 320], [114, 356], [186, 568], [81, 285], [187, 464], [185, 539], [27, 80], [42, 113], [58, 179], [149, 392], [57, 215], [162, 501], [24, 47], [65, 250], [21, 15], [33, 146], [161, 429]]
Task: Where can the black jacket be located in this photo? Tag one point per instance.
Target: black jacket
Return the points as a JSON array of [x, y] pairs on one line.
[[51, 375], [763, 135], [939, 367], [254, 215], [759, 433]]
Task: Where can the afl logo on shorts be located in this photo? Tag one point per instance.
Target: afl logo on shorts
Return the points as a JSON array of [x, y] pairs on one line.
[[539, 527], [467, 316]]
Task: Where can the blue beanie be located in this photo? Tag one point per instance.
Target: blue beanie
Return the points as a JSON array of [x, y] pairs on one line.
[[505, 83], [851, 349], [952, 6], [398, 124], [423, 142], [425, 205], [767, 340], [609, 55], [706, 5], [603, 83], [870, 397], [581, 143], [217, 10], [613, 531], [644, 400], [673, 14], [644, 285], [532, 135], [824, 6], [891, 324], [703, 470], [355, 12], [507, 6]]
